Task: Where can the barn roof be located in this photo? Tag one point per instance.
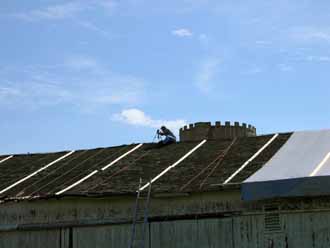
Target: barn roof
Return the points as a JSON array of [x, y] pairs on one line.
[[300, 168], [79, 173]]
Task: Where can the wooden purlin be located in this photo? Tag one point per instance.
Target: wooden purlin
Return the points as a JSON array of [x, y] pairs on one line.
[[71, 169], [175, 164], [122, 156], [216, 160], [78, 182], [120, 170], [126, 167], [93, 168], [36, 161], [51, 173], [35, 173], [96, 171], [251, 159], [5, 159], [219, 162], [200, 173]]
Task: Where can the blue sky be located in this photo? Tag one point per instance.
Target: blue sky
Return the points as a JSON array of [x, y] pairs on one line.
[[84, 74]]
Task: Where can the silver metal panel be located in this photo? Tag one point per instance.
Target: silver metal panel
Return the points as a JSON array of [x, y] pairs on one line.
[[325, 170], [299, 157]]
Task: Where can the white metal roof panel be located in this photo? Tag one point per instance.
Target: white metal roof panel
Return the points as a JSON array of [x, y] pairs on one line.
[[300, 168], [299, 157]]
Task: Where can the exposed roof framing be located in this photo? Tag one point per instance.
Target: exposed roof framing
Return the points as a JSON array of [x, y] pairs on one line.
[[5, 159], [183, 167]]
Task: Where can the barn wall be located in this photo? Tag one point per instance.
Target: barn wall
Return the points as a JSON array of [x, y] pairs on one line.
[[102, 236], [248, 231], [80, 223], [313, 228], [115, 209], [297, 229], [31, 239], [192, 233]]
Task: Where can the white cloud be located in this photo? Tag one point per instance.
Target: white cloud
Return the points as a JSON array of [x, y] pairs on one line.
[[65, 10], [204, 40], [182, 32], [54, 12], [253, 70], [32, 94], [263, 42], [87, 95], [285, 67], [9, 92], [318, 58], [311, 34], [108, 5], [93, 27], [71, 10], [137, 117], [81, 63], [116, 89], [206, 74], [320, 35], [80, 81]]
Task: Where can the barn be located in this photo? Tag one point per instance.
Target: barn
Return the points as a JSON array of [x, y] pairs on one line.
[[222, 185]]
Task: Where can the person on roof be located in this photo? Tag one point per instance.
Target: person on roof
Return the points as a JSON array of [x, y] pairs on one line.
[[169, 136]]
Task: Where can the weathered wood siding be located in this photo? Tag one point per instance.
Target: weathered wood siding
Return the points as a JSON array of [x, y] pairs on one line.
[[115, 209], [299, 230], [296, 229], [31, 239], [192, 233], [102, 236], [308, 230], [248, 231]]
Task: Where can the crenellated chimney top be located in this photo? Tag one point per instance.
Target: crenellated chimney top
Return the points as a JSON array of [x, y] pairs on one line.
[[204, 130]]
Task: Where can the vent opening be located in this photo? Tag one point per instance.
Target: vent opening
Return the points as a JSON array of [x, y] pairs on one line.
[[272, 219]]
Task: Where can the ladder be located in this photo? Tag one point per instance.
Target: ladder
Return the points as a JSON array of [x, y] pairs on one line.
[[140, 217]]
